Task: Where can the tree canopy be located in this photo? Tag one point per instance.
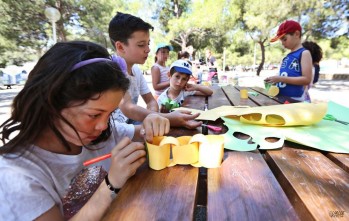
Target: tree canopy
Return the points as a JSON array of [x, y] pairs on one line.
[[241, 28]]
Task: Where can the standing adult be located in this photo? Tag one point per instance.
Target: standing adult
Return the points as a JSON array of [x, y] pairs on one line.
[[210, 59]]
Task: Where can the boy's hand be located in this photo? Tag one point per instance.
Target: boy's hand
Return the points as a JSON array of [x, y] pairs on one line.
[[272, 79], [190, 87], [183, 119], [155, 125]]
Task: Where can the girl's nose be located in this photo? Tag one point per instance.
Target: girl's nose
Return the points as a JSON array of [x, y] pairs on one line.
[[102, 125]]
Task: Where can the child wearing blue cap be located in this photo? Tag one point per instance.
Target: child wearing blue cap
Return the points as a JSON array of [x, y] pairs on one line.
[[159, 71], [180, 72]]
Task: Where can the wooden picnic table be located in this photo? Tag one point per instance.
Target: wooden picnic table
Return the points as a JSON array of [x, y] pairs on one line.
[[292, 183]]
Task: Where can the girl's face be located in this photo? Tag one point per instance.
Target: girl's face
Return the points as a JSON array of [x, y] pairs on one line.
[[89, 119], [162, 55], [178, 81]]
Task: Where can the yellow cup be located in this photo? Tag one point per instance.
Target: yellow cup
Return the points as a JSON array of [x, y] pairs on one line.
[[243, 93]]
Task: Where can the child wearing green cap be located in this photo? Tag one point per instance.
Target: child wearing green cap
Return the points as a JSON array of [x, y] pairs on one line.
[[159, 71]]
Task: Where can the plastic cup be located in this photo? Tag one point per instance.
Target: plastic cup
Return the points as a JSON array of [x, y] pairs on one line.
[[267, 85], [243, 93]]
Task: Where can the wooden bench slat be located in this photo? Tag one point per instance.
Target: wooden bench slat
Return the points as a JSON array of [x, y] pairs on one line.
[[313, 183], [168, 194], [244, 188]]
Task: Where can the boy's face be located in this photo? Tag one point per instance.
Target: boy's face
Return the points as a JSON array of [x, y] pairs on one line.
[[178, 81], [137, 49], [290, 41]]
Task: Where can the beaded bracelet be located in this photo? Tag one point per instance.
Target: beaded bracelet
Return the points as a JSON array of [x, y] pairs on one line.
[[114, 191]]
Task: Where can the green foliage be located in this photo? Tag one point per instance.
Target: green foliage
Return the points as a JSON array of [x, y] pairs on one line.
[[237, 25]]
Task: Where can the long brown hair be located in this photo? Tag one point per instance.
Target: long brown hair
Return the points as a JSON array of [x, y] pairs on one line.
[[52, 86]]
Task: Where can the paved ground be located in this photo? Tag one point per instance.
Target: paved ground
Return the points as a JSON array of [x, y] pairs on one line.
[[323, 91]]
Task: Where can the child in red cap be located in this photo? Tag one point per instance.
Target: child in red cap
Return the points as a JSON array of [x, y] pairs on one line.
[[296, 69]]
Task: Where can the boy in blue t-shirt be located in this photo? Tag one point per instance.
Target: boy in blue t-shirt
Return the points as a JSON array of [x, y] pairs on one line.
[[296, 69]]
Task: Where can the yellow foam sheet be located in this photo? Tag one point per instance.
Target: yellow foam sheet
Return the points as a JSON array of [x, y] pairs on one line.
[[198, 150], [275, 115]]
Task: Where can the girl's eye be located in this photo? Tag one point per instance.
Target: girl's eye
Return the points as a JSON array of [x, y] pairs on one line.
[[94, 116]]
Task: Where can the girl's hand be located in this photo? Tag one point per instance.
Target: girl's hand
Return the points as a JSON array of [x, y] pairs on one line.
[[126, 157], [155, 125]]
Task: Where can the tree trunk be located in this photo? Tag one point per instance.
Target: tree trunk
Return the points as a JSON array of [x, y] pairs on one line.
[[260, 67]]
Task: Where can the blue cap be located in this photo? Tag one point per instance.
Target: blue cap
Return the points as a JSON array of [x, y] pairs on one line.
[[163, 45]]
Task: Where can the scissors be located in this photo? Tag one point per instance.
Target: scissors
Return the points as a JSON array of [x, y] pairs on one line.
[[211, 127], [332, 118]]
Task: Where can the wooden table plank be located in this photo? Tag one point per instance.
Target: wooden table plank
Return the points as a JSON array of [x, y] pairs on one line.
[[244, 188], [316, 187], [233, 94], [342, 160], [168, 194], [261, 99], [279, 98], [195, 102], [218, 98]]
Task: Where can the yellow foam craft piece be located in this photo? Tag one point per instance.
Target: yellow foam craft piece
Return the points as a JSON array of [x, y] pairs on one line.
[[285, 114], [295, 114], [198, 150], [273, 91]]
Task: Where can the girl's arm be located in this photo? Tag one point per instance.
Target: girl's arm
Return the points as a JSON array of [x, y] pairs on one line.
[[126, 157], [155, 74]]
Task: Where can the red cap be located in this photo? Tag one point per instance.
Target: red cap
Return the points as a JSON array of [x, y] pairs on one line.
[[288, 26]]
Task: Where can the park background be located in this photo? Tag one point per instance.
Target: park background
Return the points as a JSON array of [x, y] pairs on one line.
[[236, 31]]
